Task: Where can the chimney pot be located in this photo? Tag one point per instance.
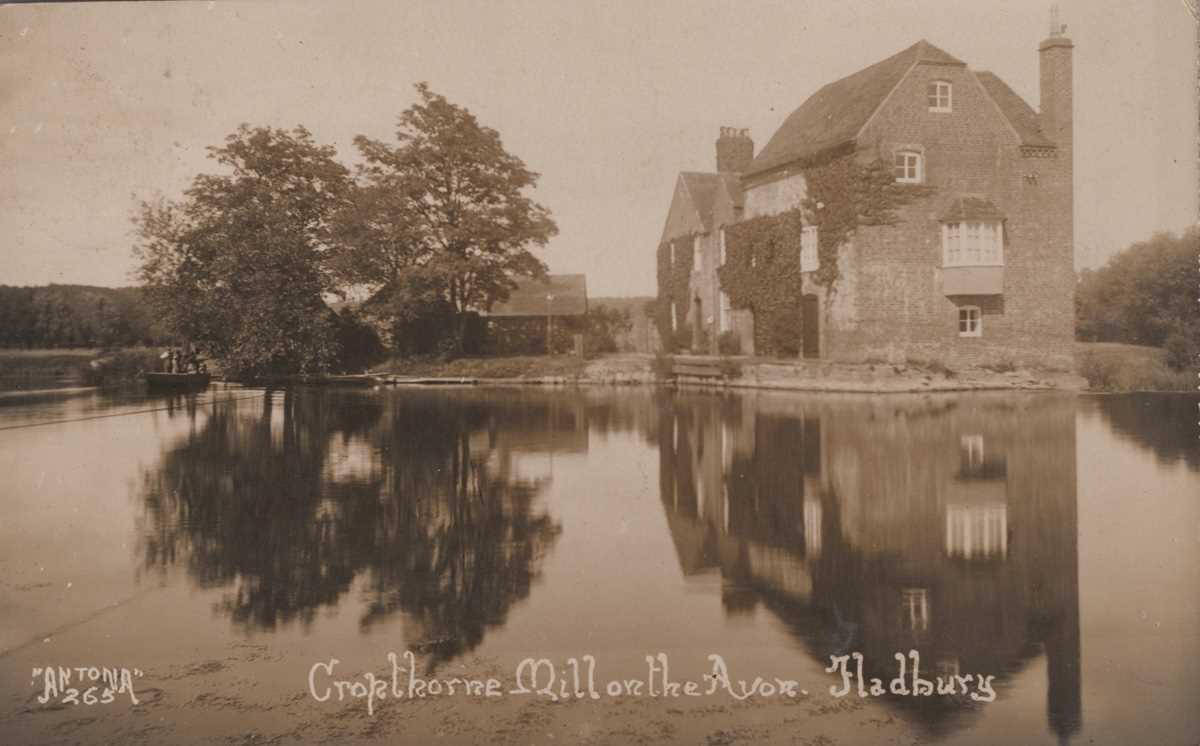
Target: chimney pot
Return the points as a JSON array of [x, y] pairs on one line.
[[735, 150]]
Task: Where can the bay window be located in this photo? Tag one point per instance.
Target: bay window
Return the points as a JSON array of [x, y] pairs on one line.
[[973, 244]]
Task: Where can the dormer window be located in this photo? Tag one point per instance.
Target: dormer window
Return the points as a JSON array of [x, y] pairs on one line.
[[910, 167], [938, 93]]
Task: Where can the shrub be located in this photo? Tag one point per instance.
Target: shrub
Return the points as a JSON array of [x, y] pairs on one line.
[[603, 326], [1131, 369], [729, 343], [1181, 352], [730, 368]]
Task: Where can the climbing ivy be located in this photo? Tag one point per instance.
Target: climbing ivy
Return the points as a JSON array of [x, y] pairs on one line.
[[674, 287], [762, 264], [844, 194], [762, 273]]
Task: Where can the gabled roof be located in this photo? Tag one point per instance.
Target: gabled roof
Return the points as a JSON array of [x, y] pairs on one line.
[[705, 189], [528, 298], [971, 207], [702, 188], [1020, 114], [834, 115]]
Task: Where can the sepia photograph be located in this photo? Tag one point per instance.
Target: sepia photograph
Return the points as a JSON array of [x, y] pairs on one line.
[[600, 372]]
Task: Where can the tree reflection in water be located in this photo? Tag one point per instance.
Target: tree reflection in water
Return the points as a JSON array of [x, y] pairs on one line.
[[287, 503]]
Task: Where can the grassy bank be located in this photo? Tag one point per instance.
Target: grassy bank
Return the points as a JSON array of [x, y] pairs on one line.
[[45, 369], [1110, 366], [523, 366]]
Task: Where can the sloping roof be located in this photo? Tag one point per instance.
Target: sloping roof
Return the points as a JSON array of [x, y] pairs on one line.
[[834, 115], [733, 187], [529, 297], [1022, 116], [971, 207], [704, 189]]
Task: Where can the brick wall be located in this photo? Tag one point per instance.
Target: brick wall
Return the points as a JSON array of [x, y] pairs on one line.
[[889, 303]]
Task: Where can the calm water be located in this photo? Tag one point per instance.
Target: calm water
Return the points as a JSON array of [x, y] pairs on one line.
[[222, 543]]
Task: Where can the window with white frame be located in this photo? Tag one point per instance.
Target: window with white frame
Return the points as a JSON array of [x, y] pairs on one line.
[[724, 309], [977, 531], [914, 609], [938, 94], [910, 167], [674, 319], [697, 257], [672, 253], [722, 246], [973, 244], [812, 527], [970, 321], [972, 451], [810, 257]]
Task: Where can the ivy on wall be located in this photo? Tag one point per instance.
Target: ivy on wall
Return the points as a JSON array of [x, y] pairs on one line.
[[762, 264], [844, 194], [674, 288], [762, 273]]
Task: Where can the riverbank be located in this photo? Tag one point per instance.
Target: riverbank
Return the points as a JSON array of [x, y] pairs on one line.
[[38, 370], [1114, 367], [731, 372]]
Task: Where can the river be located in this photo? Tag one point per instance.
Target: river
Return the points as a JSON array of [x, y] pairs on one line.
[[225, 547]]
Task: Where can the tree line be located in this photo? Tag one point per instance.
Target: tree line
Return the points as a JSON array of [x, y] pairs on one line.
[[76, 316], [438, 224], [1146, 295]]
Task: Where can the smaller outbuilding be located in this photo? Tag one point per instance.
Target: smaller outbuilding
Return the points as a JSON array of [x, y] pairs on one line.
[[539, 315]]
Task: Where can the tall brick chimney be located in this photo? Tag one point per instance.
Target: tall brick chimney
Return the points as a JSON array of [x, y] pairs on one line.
[[735, 150], [1057, 99]]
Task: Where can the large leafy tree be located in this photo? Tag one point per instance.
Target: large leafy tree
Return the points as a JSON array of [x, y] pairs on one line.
[[1145, 295], [240, 266], [443, 215]]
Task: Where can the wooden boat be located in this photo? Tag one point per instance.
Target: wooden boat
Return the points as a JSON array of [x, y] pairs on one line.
[[176, 381]]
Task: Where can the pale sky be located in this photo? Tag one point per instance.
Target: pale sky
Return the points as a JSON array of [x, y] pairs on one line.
[[105, 104]]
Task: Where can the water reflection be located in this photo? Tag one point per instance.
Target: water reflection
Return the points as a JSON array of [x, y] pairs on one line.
[[1162, 423], [286, 504], [942, 525]]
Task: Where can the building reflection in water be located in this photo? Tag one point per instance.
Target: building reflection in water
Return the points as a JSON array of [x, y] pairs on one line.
[[286, 504], [945, 525]]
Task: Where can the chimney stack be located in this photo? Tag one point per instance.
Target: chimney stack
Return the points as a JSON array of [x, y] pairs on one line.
[[735, 150], [1057, 100]]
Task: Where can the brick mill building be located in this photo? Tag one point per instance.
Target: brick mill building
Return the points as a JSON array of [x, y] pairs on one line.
[[978, 267]]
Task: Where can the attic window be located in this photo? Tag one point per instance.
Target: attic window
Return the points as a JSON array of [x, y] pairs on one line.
[[938, 94], [909, 167]]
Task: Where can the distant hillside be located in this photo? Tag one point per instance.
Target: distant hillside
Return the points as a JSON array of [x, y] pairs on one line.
[[51, 316]]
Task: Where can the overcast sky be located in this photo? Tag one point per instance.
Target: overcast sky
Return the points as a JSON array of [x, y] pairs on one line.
[[105, 104]]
